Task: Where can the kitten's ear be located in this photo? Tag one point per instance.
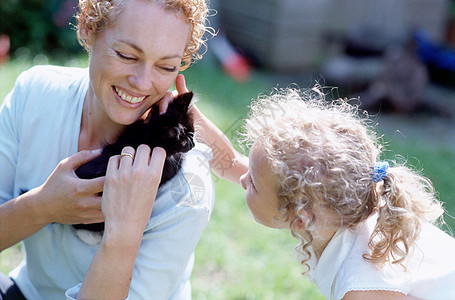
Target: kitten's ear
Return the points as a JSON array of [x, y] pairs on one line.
[[184, 101]]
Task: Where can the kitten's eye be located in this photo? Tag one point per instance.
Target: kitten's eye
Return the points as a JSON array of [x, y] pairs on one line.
[[173, 133]]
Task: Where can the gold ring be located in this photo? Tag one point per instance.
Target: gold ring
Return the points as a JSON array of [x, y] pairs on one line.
[[123, 154]]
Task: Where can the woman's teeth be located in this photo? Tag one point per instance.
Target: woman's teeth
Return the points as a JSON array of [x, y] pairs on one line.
[[128, 98]]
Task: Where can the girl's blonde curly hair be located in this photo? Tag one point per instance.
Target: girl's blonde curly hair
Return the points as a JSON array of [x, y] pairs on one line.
[[322, 154], [94, 15]]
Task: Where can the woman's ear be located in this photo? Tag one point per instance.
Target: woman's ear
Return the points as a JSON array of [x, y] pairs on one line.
[[85, 36]]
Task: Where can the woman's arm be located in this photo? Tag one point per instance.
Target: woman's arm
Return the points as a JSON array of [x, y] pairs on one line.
[[128, 197]]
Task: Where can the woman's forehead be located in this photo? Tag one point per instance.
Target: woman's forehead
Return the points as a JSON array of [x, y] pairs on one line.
[[260, 168], [148, 25]]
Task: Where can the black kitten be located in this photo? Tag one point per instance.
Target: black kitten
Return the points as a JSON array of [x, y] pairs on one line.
[[172, 131]]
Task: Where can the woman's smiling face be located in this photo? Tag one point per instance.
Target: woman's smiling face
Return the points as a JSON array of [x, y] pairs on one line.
[[135, 59]]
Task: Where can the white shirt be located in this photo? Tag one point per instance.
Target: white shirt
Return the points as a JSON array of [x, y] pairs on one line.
[[430, 267], [39, 126]]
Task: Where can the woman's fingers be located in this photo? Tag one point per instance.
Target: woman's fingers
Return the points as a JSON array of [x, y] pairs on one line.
[[82, 157], [127, 156], [142, 155], [158, 158]]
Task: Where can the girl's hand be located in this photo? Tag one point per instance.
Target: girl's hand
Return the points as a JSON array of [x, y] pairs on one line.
[[130, 190], [68, 199], [181, 88]]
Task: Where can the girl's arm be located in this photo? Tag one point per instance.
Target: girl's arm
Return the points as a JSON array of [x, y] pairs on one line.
[[377, 295], [227, 163]]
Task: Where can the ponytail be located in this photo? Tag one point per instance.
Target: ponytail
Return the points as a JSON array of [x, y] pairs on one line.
[[406, 200]]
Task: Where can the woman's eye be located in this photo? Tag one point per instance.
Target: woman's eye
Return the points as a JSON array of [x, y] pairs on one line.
[[169, 69], [123, 56]]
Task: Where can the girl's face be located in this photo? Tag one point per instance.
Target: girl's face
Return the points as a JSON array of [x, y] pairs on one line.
[[135, 60], [260, 187]]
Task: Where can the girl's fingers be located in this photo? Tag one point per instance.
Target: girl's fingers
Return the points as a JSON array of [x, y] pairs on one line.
[[164, 102], [180, 84]]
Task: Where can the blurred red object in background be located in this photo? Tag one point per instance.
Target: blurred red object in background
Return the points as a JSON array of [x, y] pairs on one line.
[[4, 48]]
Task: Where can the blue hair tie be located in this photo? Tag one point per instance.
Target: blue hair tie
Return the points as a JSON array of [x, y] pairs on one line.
[[380, 171]]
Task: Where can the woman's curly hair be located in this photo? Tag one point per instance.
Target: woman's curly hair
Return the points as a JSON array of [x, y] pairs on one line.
[[322, 154], [94, 15]]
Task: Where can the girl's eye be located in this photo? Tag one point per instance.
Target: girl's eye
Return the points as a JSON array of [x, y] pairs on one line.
[[123, 56], [252, 184]]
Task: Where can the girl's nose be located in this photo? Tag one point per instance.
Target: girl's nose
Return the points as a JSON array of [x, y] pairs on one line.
[[243, 181]]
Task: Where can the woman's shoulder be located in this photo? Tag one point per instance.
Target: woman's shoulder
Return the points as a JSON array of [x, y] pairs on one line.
[[52, 76], [49, 84], [193, 185], [191, 191]]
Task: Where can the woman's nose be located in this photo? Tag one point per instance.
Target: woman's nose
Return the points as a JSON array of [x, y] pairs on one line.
[[142, 80]]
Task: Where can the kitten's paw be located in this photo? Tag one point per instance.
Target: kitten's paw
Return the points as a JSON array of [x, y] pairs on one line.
[[89, 237]]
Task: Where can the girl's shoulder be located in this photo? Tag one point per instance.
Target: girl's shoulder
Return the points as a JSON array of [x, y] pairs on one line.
[[357, 274], [428, 270]]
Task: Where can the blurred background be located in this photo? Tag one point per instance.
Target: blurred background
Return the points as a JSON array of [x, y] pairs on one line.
[[397, 57]]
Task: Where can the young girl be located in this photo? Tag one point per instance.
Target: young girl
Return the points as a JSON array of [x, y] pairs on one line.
[[366, 228]]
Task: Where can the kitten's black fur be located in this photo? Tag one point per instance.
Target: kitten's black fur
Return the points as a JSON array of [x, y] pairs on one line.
[[172, 131]]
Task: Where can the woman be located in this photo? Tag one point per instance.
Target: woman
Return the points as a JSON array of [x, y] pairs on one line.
[[55, 119]]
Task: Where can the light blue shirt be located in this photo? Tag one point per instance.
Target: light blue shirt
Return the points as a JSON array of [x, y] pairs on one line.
[[39, 126]]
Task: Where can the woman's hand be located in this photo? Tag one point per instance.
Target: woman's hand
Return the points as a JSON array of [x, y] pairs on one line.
[[68, 199], [130, 191], [63, 198]]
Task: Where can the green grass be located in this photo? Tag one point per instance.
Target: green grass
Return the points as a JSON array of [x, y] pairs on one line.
[[236, 257]]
